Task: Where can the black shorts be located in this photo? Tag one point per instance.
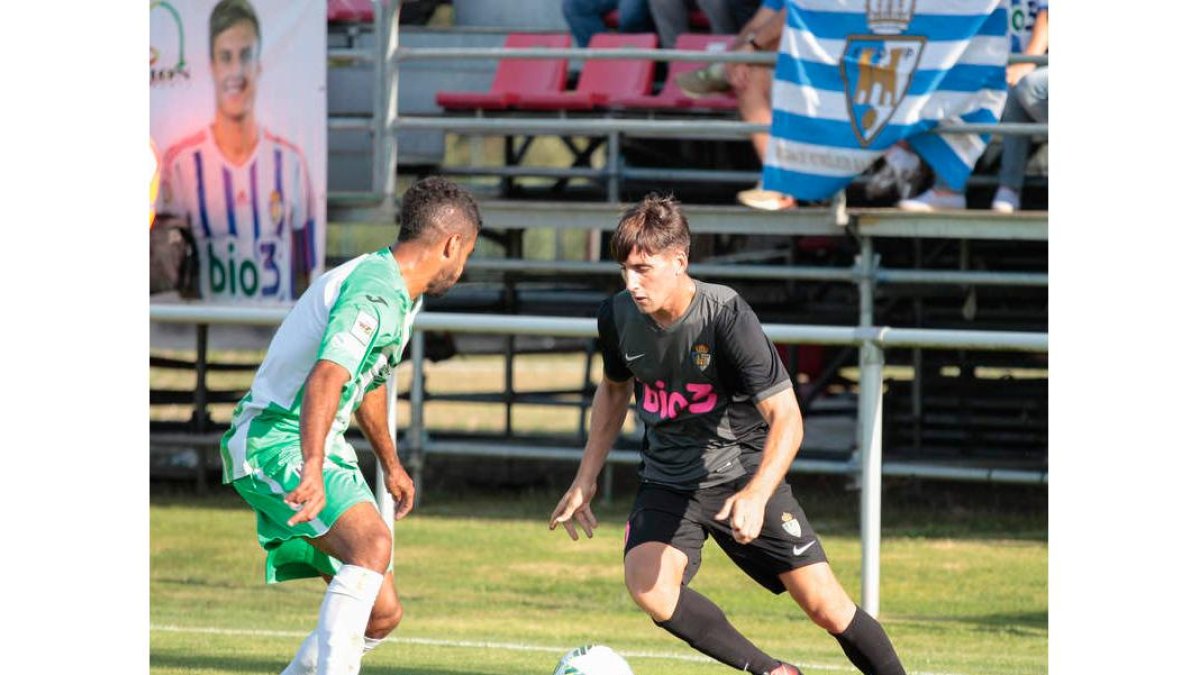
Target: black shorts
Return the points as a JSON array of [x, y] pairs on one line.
[[683, 519]]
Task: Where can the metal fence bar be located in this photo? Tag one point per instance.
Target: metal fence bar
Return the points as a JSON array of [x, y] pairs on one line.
[[774, 272], [832, 467], [525, 172], [599, 126], [348, 56], [690, 175], [623, 53], [199, 313]]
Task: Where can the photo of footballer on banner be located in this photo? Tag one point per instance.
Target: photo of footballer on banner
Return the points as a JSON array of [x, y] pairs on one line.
[[237, 111]]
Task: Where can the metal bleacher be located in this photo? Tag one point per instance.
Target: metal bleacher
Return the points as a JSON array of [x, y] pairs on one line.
[[841, 264]]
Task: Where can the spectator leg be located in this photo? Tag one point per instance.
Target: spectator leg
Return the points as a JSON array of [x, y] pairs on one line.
[[742, 11], [633, 16], [720, 15], [1028, 101], [670, 19], [754, 104], [586, 18]]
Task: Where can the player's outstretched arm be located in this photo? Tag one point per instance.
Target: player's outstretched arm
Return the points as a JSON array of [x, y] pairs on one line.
[[610, 405], [745, 508], [322, 392], [372, 419]]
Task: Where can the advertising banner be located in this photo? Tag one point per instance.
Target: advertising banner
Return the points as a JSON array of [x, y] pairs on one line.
[[238, 122]]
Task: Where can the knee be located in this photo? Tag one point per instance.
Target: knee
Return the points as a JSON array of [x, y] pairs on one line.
[[374, 551], [654, 598], [1031, 90], [831, 611], [385, 616]]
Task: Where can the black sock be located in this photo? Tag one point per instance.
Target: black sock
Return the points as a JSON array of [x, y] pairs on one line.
[[701, 624], [868, 647]]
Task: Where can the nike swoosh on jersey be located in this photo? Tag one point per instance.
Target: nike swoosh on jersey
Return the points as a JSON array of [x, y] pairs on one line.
[[631, 359], [799, 550]]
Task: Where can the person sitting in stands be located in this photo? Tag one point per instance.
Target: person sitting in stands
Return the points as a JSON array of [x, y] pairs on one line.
[[586, 17], [752, 84], [1028, 101], [725, 17]]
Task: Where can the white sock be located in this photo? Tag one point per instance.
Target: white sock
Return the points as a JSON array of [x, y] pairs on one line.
[[343, 619], [305, 661]]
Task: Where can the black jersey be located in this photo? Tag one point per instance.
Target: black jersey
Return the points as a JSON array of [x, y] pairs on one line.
[[698, 381]]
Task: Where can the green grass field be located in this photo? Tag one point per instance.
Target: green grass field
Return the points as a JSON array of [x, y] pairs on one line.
[[488, 590]]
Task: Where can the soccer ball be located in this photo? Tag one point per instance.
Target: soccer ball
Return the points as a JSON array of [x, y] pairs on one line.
[[592, 660]]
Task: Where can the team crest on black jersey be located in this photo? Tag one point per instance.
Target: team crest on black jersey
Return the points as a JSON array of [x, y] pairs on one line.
[[791, 525], [701, 356]]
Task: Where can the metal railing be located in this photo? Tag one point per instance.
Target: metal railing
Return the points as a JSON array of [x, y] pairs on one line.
[[867, 462], [385, 121]]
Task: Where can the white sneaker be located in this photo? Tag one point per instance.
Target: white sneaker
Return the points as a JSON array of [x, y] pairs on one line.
[[1006, 200], [933, 200], [767, 200]]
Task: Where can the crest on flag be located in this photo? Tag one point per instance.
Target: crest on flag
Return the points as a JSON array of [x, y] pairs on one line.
[[878, 68], [854, 77], [877, 71]]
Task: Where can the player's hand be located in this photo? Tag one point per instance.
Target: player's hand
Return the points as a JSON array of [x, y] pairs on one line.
[[401, 487], [1016, 71], [744, 511], [309, 496], [576, 504]]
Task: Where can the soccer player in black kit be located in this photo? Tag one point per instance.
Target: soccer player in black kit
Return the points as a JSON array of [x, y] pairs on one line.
[[722, 428]]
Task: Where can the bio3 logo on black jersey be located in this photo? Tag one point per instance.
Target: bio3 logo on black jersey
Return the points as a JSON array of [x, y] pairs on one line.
[[667, 404]]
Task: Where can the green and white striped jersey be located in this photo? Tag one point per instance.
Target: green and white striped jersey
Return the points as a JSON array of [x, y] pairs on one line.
[[359, 316]]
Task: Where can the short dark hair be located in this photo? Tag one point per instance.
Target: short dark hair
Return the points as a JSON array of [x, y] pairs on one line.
[[655, 225], [428, 201], [226, 14]]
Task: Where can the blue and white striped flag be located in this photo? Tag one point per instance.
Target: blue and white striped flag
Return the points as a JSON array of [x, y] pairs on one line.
[[856, 76]]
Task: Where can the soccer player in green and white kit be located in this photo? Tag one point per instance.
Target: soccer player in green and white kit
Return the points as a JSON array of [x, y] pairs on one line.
[[285, 453]]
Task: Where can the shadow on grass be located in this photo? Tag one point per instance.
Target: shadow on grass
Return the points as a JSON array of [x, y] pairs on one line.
[[1011, 622], [911, 508], [1010, 619], [200, 663]]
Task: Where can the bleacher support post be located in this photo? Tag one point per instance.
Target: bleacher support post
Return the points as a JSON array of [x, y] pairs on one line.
[[387, 505], [870, 440], [387, 40], [870, 431], [200, 406], [415, 435]]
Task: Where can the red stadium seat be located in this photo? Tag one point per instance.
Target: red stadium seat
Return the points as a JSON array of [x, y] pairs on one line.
[[601, 80], [671, 96], [349, 11], [515, 76]]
